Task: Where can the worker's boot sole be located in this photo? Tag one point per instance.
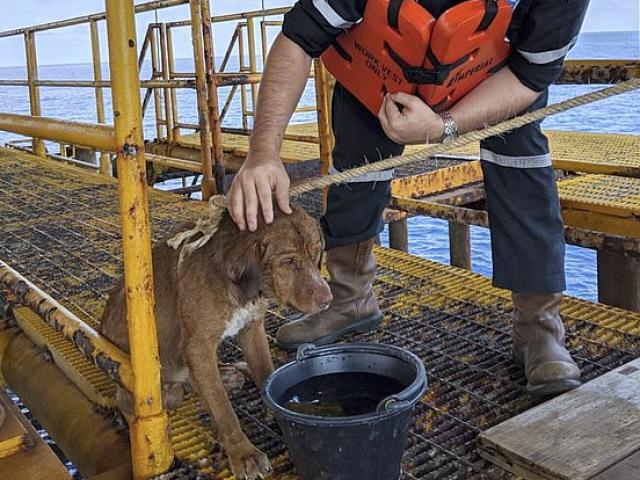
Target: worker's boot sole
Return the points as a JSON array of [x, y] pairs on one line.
[[365, 325], [553, 388], [546, 389]]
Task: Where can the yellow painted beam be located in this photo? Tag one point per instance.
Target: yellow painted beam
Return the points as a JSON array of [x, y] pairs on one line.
[[151, 450], [437, 181], [625, 227], [100, 137]]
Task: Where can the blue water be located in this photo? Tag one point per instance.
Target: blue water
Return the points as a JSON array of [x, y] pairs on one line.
[[428, 237]]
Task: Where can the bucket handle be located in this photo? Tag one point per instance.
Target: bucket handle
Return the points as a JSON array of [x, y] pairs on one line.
[[304, 351], [392, 403]]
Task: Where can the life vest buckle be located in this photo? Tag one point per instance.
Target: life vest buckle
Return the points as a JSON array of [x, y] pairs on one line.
[[423, 76]]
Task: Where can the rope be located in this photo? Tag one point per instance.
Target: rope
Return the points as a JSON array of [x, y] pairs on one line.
[[466, 139]]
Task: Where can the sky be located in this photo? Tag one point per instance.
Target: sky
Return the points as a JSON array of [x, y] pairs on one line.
[[71, 45]]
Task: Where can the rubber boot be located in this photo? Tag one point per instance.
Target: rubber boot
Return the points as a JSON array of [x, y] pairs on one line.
[[539, 344], [352, 269]]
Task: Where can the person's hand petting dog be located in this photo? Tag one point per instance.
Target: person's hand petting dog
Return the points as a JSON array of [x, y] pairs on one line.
[[407, 120]]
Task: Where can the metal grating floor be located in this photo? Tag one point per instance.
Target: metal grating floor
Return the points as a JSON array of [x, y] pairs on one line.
[[619, 196], [60, 228]]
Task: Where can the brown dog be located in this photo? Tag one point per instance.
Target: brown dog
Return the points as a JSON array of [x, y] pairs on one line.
[[220, 290]]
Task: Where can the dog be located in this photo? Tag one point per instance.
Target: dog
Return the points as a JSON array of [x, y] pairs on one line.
[[222, 289]]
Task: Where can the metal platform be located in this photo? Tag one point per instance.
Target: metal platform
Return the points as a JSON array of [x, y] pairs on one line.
[[60, 228]]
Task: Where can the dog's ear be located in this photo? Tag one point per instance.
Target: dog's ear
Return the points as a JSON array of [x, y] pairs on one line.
[[243, 268]]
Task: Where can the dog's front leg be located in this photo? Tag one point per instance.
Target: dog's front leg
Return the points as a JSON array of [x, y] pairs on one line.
[[247, 462], [255, 348]]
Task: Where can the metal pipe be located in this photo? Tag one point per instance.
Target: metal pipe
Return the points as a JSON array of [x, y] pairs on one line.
[[237, 16], [227, 54], [151, 450], [105, 160], [324, 124], [227, 103], [157, 83], [145, 47], [181, 164], [174, 97], [168, 111], [208, 186], [253, 61], [156, 93], [100, 137], [34, 92], [243, 68], [263, 41], [143, 7], [63, 158], [287, 136], [460, 245], [103, 353], [89, 439], [212, 92]]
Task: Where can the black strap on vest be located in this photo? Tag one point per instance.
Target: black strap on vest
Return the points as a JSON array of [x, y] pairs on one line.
[[425, 76], [490, 14], [393, 12], [341, 51]]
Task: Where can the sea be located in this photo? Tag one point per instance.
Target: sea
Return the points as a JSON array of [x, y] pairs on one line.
[[427, 237]]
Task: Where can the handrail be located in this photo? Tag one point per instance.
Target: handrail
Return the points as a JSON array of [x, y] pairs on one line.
[[98, 136], [143, 7], [235, 16]]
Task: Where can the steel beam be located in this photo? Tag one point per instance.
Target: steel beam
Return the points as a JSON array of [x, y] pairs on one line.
[[101, 137], [151, 450]]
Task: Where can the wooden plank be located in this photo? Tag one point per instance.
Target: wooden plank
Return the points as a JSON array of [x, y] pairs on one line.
[[576, 435], [627, 469]]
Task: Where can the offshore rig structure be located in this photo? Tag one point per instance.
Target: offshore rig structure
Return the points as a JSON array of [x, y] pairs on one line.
[[68, 228]]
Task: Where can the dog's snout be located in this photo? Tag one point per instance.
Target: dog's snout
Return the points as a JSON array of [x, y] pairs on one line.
[[324, 297]]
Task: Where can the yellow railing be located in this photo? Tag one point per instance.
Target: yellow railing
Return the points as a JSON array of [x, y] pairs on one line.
[[151, 449]]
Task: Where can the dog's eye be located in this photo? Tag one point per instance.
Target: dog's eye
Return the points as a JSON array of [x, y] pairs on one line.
[[289, 262]]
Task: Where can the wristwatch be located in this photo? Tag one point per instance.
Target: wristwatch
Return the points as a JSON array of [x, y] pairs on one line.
[[450, 132]]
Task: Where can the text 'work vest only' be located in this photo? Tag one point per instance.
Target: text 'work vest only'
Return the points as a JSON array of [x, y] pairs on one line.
[[399, 46]]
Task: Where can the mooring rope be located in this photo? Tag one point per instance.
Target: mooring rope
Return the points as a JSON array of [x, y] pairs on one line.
[[190, 240], [465, 139]]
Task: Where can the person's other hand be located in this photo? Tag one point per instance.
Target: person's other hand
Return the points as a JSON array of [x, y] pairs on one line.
[[253, 188], [415, 123]]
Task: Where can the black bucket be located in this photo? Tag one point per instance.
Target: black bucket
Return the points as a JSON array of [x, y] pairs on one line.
[[358, 437]]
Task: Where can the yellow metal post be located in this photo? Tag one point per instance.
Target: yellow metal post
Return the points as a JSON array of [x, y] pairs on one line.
[[151, 451], [105, 162], [212, 90], [253, 62], [34, 92], [164, 55], [208, 186], [174, 97], [243, 68], [324, 122], [154, 73]]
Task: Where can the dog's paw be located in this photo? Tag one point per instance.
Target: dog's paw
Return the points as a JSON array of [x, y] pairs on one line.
[[248, 463]]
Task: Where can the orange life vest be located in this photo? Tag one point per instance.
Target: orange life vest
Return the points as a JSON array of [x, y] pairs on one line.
[[399, 46]]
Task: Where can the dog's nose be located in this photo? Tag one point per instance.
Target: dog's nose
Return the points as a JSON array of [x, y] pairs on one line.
[[324, 298]]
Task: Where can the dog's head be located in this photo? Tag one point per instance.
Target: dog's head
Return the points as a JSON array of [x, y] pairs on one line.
[[281, 261]]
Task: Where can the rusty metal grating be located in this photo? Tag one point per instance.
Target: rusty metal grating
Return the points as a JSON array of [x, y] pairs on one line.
[[61, 229]]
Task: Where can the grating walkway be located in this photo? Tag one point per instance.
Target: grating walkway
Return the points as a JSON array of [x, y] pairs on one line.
[[60, 228]]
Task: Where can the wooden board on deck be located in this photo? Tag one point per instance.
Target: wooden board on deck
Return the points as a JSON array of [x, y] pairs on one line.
[[590, 433]]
